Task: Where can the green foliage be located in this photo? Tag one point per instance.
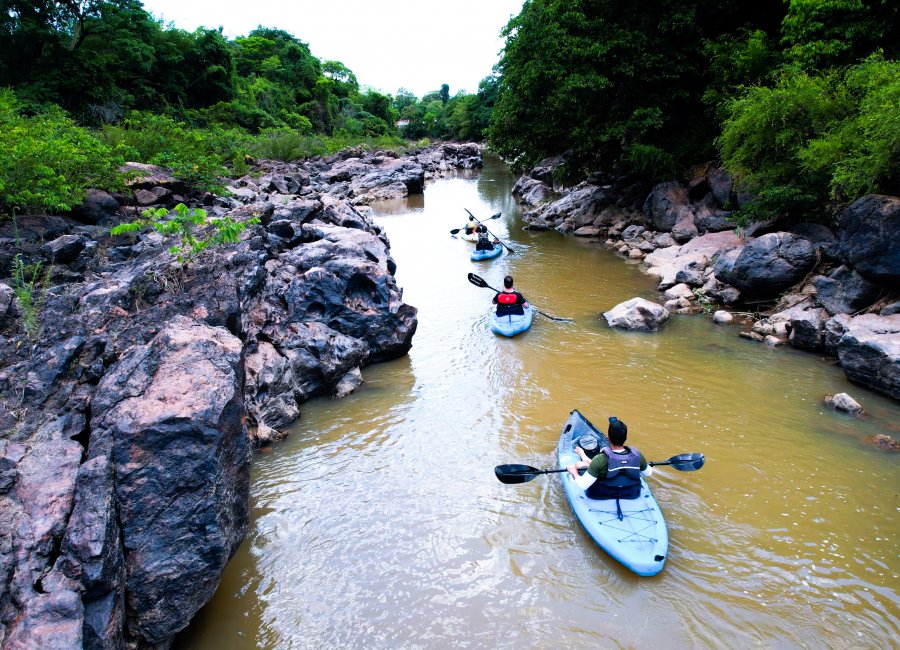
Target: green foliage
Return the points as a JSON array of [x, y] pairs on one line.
[[30, 284], [813, 135], [186, 223], [47, 162]]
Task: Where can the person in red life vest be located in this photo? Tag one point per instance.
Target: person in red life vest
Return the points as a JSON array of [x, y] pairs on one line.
[[509, 301], [484, 243], [615, 472]]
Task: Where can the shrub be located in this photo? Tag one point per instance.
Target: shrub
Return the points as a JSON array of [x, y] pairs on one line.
[[47, 162]]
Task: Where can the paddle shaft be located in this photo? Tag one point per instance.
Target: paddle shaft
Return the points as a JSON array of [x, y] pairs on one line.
[[456, 230]]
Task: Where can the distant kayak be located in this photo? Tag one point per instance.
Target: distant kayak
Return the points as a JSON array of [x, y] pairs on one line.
[[512, 325], [640, 540], [472, 237], [486, 255]]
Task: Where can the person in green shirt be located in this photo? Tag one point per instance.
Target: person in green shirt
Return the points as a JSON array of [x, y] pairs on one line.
[[615, 472]]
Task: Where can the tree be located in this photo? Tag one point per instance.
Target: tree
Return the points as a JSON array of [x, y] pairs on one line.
[[445, 93]]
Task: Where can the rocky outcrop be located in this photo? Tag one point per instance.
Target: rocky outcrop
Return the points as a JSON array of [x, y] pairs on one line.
[[637, 315], [125, 426], [768, 265], [869, 351], [870, 237]]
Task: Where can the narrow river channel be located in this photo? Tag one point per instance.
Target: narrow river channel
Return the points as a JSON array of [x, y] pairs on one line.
[[379, 523]]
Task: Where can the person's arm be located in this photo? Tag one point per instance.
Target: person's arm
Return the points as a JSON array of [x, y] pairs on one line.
[[646, 470], [596, 467], [521, 300], [494, 299]]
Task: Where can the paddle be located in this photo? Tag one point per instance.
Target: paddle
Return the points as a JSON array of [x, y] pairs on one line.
[[478, 282], [514, 474], [456, 230], [489, 232]]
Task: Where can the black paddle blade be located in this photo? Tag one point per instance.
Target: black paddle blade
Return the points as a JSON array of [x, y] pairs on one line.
[[478, 282], [513, 474], [685, 462], [495, 216], [455, 230]]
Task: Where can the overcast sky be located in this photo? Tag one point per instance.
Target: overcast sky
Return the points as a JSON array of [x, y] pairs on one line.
[[388, 44]]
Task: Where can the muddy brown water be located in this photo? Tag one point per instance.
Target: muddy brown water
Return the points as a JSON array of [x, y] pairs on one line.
[[379, 523]]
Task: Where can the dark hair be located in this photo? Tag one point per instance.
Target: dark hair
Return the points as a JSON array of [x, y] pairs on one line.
[[471, 217], [508, 282], [617, 431], [480, 228]]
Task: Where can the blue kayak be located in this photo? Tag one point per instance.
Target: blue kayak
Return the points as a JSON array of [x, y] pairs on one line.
[[486, 255], [640, 541], [512, 325]]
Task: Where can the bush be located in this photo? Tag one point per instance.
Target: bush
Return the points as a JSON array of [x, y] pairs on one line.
[[47, 162]]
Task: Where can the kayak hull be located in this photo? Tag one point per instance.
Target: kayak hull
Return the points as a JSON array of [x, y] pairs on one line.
[[486, 255], [640, 541], [512, 325], [472, 237]]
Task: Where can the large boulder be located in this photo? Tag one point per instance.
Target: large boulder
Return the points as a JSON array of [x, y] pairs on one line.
[[845, 291], [807, 329], [870, 237], [97, 205], [869, 351], [168, 416], [769, 264], [665, 204], [666, 263], [637, 314]]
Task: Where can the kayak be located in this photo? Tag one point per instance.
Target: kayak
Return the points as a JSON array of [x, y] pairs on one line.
[[486, 255], [512, 324], [472, 237], [640, 540]]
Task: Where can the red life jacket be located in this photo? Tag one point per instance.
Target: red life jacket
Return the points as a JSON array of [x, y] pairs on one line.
[[506, 298]]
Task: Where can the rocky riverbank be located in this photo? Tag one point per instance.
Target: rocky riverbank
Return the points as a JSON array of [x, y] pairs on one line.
[[128, 411], [831, 291]]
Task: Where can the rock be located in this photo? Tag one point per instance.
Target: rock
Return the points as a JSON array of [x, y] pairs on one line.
[[884, 442], [532, 191], [822, 238], [97, 206], [632, 232], [768, 264], [870, 237], [679, 291], [721, 317], [664, 240], [719, 292], [666, 202], [721, 186], [65, 249], [774, 341], [8, 310], [168, 415], [887, 310], [843, 402], [635, 254], [869, 352], [145, 177], [637, 314], [587, 231], [153, 196], [834, 329], [845, 291], [582, 205], [692, 272], [684, 229], [697, 188], [348, 383], [665, 263], [807, 329]]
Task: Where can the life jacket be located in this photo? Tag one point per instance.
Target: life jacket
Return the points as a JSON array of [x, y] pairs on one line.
[[510, 303], [623, 476], [484, 244]]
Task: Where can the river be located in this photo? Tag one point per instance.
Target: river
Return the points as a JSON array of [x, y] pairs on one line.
[[379, 523]]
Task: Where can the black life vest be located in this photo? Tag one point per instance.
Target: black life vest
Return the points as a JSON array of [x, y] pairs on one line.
[[623, 476], [484, 244]]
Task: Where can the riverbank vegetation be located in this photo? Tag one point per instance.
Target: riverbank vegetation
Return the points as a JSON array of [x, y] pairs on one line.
[[86, 86], [799, 100]]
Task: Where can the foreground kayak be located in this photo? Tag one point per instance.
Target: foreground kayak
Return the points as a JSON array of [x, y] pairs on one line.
[[640, 541], [486, 255], [512, 325]]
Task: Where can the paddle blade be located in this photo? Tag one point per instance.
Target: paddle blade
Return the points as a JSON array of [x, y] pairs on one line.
[[686, 462], [514, 474], [495, 216], [478, 282], [455, 230]]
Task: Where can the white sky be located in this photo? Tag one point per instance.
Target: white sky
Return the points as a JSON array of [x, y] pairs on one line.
[[388, 44]]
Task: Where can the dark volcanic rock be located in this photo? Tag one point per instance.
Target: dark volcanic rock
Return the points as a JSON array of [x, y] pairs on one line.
[[169, 417], [97, 205], [665, 204], [870, 237], [845, 291], [768, 264], [869, 351]]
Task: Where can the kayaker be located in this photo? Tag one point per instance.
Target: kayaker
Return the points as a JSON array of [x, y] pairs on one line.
[[614, 473], [470, 227], [509, 301], [484, 243]]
